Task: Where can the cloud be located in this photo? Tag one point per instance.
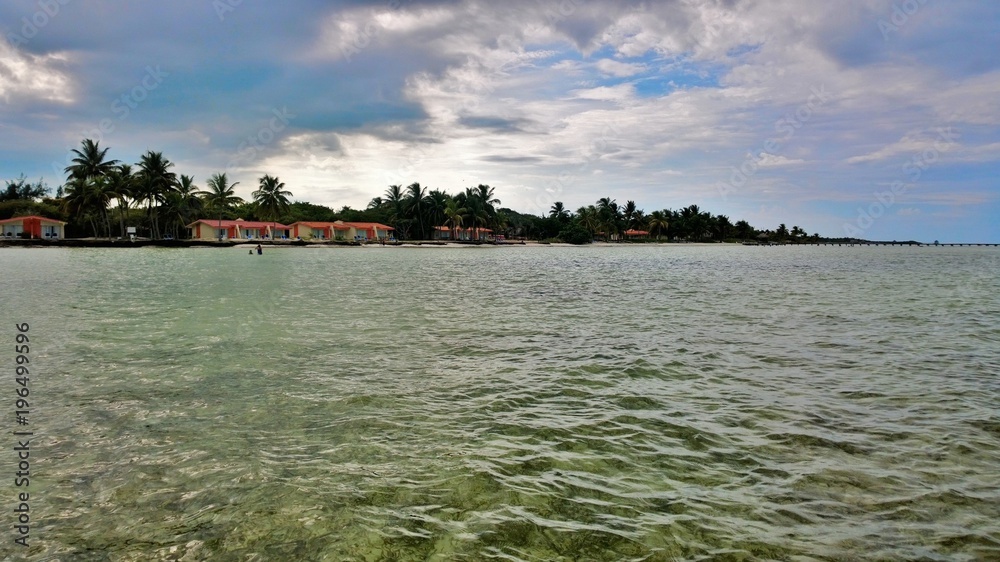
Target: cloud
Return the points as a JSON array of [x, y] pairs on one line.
[[774, 160], [619, 69], [912, 144], [657, 102], [24, 76]]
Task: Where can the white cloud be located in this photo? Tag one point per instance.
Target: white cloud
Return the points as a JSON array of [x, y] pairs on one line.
[[774, 160], [912, 144], [619, 69], [27, 76]]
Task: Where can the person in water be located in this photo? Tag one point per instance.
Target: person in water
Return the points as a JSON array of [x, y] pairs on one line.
[[259, 250]]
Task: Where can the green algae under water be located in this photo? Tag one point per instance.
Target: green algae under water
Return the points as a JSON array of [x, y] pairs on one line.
[[537, 403]]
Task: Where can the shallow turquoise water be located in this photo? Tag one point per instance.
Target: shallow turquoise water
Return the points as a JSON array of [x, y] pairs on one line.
[[525, 403]]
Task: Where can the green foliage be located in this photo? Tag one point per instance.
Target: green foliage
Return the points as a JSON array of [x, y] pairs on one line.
[[576, 234], [22, 189], [96, 182], [21, 207], [303, 211]]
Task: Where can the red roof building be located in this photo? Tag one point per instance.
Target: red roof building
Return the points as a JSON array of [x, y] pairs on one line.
[[364, 231], [239, 229], [33, 226], [309, 230], [448, 233]]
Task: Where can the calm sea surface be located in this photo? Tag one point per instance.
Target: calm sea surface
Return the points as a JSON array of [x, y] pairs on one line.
[[515, 404]]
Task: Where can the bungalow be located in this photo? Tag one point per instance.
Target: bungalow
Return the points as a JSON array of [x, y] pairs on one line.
[[319, 230], [214, 229], [33, 226], [442, 233], [446, 233], [364, 231], [636, 234]]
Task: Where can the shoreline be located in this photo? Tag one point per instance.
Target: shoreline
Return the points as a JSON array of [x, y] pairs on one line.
[[102, 243]]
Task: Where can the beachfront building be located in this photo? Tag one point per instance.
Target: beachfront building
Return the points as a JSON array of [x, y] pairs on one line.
[[314, 230], [33, 226], [636, 234], [462, 234], [239, 229], [365, 231]]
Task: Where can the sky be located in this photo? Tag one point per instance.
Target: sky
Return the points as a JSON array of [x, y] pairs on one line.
[[874, 119]]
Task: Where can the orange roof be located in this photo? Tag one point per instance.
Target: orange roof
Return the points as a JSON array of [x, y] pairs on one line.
[[240, 223], [19, 219], [365, 225], [317, 224], [636, 232]]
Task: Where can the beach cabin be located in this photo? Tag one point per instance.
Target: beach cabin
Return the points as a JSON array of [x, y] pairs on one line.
[[464, 234], [313, 230], [475, 234], [636, 234], [239, 229], [365, 231], [32, 226]]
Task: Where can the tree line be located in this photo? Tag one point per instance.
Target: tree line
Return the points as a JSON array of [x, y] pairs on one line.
[[103, 197]]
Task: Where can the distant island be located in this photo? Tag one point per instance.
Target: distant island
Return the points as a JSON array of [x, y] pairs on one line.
[[105, 198]]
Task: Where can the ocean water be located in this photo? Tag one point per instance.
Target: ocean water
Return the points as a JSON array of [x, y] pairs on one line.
[[517, 403]]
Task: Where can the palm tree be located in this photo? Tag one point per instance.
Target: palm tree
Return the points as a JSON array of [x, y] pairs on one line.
[[609, 216], [475, 211], [155, 182], [744, 230], [488, 199], [271, 199], [220, 196], [189, 200], [121, 183], [454, 215], [628, 213], [559, 212], [415, 206], [588, 218], [658, 223], [90, 161], [87, 199], [722, 227], [782, 232], [86, 181], [638, 220], [77, 202], [436, 202]]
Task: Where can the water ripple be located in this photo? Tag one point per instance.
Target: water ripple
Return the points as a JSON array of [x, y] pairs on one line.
[[522, 404]]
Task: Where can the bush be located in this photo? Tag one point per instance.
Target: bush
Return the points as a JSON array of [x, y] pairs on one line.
[[576, 235]]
